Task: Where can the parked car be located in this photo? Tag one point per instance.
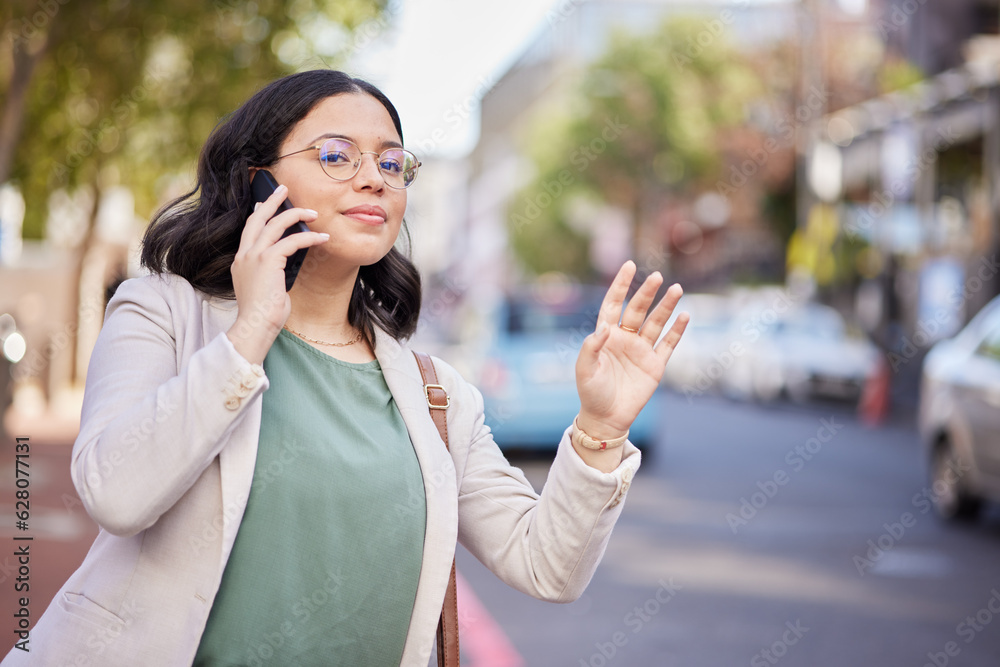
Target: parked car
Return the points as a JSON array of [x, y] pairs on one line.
[[959, 417], [800, 351], [697, 364], [528, 378]]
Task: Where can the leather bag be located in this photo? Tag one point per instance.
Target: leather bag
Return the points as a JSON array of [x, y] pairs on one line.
[[438, 402]]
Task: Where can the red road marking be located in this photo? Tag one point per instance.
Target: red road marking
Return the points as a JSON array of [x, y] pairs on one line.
[[482, 640]]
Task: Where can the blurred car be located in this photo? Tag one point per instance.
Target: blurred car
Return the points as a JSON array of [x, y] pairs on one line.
[[694, 364], [800, 351], [528, 378], [959, 416]]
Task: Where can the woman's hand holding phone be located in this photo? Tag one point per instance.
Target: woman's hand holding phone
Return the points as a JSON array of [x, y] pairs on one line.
[[259, 274]]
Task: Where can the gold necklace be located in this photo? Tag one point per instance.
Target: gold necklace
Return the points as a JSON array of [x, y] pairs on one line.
[[323, 342]]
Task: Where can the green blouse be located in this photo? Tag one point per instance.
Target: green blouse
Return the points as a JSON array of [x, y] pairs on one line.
[[325, 565]]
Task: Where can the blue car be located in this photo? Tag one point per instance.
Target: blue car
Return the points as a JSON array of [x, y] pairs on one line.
[[528, 379]]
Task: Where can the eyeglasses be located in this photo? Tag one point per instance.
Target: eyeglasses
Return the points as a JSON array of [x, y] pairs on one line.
[[341, 161]]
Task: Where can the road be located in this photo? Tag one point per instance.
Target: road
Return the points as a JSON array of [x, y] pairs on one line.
[[834, 561], [780, 535]]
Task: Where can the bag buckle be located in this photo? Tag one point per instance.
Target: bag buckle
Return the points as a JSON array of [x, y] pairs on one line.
[[430, 403]]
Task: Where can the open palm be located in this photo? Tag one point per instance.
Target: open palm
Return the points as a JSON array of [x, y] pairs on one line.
[[620, 365]]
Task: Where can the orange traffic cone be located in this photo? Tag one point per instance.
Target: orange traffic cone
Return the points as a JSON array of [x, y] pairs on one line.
[[873, 406]]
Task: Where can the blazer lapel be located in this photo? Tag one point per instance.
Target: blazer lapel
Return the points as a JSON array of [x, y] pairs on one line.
[[440, 489]]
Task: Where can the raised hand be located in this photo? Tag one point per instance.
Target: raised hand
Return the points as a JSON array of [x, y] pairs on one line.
[[620, 365]]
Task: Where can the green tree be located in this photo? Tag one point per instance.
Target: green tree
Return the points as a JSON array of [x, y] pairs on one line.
[[112, 92], [138, 86], [647, 122]]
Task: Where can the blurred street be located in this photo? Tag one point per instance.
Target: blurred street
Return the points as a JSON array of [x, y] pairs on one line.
[[821, 176], [785, 588], [834, 559], [62, 531]]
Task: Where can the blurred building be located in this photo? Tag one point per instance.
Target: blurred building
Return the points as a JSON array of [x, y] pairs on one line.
[[574, 35], [56, 291], [915, 175], [933, 34]]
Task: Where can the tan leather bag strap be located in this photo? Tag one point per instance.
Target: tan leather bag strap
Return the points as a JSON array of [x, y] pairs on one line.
[[438, 402]]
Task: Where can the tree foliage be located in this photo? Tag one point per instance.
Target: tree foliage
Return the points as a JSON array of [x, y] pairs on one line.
[[125, 92], [101, 93], [644, 122]]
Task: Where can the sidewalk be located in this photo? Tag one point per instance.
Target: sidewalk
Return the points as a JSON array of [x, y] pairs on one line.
[[61, 532], [53, 427]]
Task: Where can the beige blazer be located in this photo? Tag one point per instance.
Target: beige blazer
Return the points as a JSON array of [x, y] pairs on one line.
[[164, 462]]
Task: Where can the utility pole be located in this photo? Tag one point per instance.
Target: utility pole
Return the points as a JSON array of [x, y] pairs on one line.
[[810, 73]]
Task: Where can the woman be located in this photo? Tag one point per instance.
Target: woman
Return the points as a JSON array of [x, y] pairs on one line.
[[313, 523]]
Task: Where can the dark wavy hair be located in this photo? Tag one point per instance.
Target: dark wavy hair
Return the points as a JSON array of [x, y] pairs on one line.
[[196, 235]]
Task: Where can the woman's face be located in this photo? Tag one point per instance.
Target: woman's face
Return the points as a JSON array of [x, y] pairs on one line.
[[362, 215]]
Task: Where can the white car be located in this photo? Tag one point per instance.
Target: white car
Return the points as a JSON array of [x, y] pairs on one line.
[[959, 416], [701, 357], [802, 351]]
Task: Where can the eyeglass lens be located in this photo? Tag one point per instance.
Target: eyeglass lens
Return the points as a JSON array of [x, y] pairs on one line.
[[341, 160]]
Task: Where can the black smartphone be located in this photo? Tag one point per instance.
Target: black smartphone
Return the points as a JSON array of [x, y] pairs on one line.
[[263, 186]]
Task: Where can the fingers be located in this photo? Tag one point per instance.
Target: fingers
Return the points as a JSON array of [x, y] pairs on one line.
[[592, 344], [611, 307], [258, 267], [275, 228], [669, 343], [288, 245], [635, 313], [653, 327], [264, 229], [262, 212]]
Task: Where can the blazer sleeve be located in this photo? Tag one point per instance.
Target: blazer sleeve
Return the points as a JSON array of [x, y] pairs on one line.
[[150, 424], [547, 545]]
